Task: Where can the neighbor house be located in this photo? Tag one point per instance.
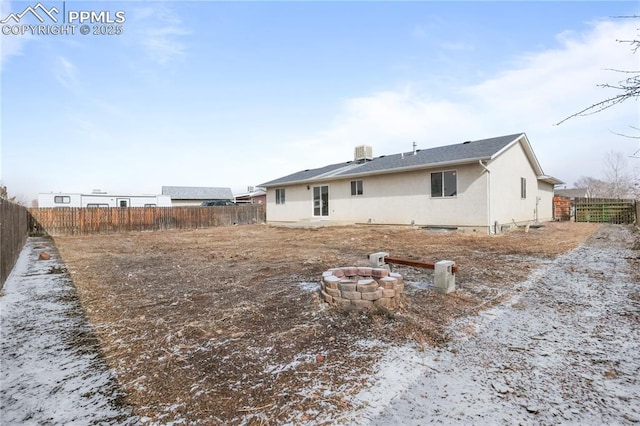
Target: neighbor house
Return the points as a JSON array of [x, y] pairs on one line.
[[195, 195], [252, 196], [572, 193], [474, 185]]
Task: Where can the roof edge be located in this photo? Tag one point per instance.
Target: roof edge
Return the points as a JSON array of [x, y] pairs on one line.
[[378, 172], [550, 179]]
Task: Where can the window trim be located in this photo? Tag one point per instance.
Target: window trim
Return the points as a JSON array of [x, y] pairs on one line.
[[442, 183], [523, 188], [355, 190], [280, 195]]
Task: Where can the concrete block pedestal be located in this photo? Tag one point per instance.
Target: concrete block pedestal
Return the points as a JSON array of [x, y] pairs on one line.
[[444, 278]]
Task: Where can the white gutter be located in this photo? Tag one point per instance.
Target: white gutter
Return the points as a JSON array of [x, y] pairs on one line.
[[488, 194]]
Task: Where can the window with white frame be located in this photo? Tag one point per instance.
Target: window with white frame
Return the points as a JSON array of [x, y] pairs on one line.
[[356, 187], [62, 199], [280, 196], [523, 188], [444, 184]]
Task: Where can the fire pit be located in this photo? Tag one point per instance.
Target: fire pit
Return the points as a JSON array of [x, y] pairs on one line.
[[361, 287]]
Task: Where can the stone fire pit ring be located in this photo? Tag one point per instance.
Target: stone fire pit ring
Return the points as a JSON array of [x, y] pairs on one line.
[[361, 287]]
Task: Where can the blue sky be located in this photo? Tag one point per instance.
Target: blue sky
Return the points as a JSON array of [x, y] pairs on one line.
[[238, 93]]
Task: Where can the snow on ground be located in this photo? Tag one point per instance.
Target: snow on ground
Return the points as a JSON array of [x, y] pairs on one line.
[[51, 368], [566, 350]]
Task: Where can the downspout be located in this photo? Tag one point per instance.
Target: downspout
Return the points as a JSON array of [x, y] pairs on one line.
[[488, 195]]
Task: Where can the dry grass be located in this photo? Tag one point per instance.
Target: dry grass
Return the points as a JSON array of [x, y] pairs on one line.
[[214, 325]]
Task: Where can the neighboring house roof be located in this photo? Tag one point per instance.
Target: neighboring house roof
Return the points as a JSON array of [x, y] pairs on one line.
[[197, 193], [572, 192], [462, 153], [256, 193]]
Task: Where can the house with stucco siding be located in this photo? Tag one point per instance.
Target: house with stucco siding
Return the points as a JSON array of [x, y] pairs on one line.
[[478, 185]]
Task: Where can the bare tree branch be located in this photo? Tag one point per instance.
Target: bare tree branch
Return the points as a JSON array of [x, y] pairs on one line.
[[628, 136], [629, 88]]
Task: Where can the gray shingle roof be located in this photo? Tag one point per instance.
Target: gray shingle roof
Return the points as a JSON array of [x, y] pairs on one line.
[[483, 149], [197, 193], [572, 192]]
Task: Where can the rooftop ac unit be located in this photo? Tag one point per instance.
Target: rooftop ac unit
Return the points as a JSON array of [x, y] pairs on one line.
[[363, 153]]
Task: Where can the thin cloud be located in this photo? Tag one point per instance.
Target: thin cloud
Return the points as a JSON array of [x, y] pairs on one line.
[[66, 73], [10, 45], [557, 82], [540, 89], [430, 25], [160, 31], [162, 44]]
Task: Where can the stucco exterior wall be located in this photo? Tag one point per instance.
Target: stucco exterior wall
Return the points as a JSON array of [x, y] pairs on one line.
[[488, 193], [507, 205], [297, 206], [545, 205], [400, 198]]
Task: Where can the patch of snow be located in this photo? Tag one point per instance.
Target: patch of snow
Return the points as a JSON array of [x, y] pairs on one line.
[[566, 351], [307, 286], [297, 360], [51, 369], [413, 287]]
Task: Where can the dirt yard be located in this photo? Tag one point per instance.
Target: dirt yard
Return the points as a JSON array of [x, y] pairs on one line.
[[223, 325]]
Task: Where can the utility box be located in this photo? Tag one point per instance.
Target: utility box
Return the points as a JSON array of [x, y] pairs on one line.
[[377, 259], [444, 278]]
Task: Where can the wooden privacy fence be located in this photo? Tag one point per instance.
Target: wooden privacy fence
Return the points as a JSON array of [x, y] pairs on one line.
[[604, 210], [80, 221], [14, 227]]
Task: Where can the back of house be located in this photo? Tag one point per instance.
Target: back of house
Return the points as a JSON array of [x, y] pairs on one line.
[[478, 185]]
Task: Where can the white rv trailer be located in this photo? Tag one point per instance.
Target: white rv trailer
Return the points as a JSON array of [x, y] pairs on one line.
[[101, 199]]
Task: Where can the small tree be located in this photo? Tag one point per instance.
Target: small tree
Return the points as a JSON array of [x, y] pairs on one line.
[[594, 188], [618, 181], [617, 176]]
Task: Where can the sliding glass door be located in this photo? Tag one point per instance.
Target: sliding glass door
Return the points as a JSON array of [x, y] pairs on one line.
[[321, 201]]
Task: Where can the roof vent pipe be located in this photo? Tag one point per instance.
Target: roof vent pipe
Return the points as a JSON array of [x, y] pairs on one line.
[[414, 148]]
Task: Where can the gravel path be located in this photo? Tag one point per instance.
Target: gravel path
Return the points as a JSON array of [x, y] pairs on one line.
[[51, 367], [564, 351]]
